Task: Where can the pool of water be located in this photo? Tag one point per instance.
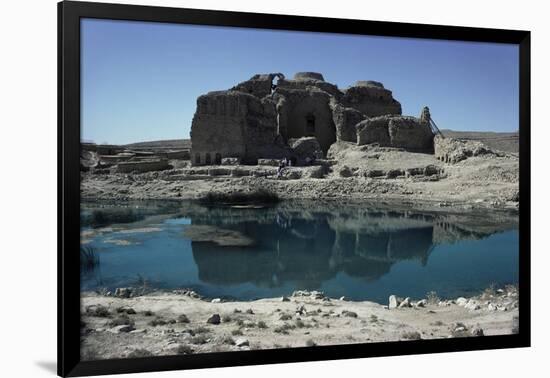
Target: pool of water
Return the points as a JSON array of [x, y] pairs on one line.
[[250, 252]]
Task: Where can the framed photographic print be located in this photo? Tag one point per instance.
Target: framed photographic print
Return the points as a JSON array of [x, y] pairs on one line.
[[239, 188]]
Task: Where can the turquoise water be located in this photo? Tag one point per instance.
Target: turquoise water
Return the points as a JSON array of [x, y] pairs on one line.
[[360, 253]]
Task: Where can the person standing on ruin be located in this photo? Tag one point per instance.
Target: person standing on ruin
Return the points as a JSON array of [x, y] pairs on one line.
[[280, 169]]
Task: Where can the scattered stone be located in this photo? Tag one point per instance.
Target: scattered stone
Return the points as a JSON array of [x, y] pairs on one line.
[[249, 311], [124, 328], [349, 314], [123, 292], [241, 342], [411, 335], [343, 298], [393, 303], [461, 301], [405, 303], [317, 295], [285, 299], [214, 319], [231, 161], [477, 331], [216, 300], [184, 349], [422, 303], [472, 306], [139, 331]]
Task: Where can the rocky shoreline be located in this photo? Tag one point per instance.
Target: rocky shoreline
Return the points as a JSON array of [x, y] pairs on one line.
[[132, 324]]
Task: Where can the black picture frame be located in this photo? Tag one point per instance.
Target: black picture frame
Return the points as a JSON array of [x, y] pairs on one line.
[[69, 15]]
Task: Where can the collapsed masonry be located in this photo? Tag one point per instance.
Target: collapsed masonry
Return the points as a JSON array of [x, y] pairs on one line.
[[271, 117]]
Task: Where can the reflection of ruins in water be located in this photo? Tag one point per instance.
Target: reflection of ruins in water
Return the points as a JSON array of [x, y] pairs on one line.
[[309, 247]]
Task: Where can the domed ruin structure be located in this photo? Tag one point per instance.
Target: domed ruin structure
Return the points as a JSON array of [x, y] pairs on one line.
[[262, 118]]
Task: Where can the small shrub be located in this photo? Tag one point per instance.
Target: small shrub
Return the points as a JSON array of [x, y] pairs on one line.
[[262, 325], [249, 311], [183, 318], [310, 343], [200, 330], [285, 317], [237, 332], [199, 339], [185, 349], [228, 340], [148, 313], [490, 291], [299, 323], [240, 322], [284, 328], [98, 311], [432, 297], [226, 319], [126, 310], [373, 318], [139, 353], [89, 259], [411, 335], [237, 311], [157, 322], [121, 320], [438, 323]]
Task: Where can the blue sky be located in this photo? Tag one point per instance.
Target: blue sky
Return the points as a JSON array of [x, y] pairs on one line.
[[140, 81]]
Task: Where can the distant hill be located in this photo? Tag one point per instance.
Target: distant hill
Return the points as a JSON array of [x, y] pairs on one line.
[[508, 142], [161, 144]]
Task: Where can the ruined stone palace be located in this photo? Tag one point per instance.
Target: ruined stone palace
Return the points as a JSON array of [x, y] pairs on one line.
[[271, 117]]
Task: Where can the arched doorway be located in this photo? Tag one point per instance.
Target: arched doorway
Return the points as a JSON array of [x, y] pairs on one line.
[[310, 125]]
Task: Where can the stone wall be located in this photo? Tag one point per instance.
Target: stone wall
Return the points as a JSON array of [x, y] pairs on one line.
[[232, 124], [345, 121], [256, 119], [307, 113], [409, 133], [142, 166], [370, 99], [258, 85], [374, 130]]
